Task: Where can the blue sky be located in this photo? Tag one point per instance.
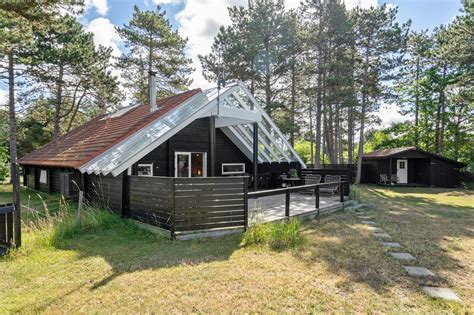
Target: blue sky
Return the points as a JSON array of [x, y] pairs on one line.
[[199, 20]]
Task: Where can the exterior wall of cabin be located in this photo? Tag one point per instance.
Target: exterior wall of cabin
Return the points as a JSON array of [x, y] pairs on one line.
[[444, 174], [194, 138]]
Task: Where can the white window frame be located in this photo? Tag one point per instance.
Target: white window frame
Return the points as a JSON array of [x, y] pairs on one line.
[[233, 173], [144, 165], [204, 162], [43, 177]]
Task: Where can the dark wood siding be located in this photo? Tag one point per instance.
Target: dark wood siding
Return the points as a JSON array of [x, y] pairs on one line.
[[193, 138], [56, 180], [228, 152], [423, 169], [105, 191]]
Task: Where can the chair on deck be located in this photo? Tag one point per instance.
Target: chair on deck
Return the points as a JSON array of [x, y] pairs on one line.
[[384, 179], [330, 189], [394, 178], [311, 179]]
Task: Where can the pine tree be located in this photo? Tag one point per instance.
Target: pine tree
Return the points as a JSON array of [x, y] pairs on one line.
[[379, 43], [153, 46]]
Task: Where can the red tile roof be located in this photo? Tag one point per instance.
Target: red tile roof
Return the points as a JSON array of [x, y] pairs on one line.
[[89, 140]]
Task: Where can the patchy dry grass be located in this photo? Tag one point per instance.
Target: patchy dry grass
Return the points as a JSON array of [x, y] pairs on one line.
[[341, 268]]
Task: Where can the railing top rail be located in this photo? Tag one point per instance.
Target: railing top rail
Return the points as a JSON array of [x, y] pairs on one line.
[[278, 191], [191, 178], [6, 208]]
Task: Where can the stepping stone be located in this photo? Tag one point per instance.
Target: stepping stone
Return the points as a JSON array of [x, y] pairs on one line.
[[358, 206], [390, 244], [403, 256], [364, 217], [368, 222], [418, 271], [441, 293], [382, 235], [374, 229]]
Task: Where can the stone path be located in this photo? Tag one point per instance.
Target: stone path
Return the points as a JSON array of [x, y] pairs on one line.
[[403, 256], [414, 271], [441, 293]]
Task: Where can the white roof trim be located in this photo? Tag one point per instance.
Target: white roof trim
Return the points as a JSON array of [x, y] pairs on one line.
[[230, 118]]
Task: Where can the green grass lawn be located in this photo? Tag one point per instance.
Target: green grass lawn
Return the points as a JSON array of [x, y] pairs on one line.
[[115, 267]]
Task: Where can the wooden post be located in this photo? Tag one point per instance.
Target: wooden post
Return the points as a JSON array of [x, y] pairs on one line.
[[173, 214], [125, 194], [316, 193], [212, 145], [79, 207], [246, 203], [287, 204], [255, 156], [341, 192]]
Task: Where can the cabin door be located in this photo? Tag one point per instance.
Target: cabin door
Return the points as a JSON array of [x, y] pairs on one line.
[[402, 171], [190, 164]]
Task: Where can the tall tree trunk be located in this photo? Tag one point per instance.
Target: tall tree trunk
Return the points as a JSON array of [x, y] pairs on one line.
[[439, 135], [311, 134], [350, 134], [59, 99], [417, 100], [362, 116], [293, 101], [317, 161], [15, 177]]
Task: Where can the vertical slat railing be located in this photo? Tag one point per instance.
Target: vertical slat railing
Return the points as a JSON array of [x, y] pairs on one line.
[[246, 203]]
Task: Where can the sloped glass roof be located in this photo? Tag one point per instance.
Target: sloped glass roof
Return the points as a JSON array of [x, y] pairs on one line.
[[273, 146]]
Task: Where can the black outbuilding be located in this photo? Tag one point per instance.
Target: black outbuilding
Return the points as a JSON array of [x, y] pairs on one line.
[[410, 166]]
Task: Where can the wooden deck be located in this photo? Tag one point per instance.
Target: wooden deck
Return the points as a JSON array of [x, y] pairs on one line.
[[272, 208]]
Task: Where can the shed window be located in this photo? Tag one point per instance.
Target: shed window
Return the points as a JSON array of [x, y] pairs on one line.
[[145, 169], [43, 177]]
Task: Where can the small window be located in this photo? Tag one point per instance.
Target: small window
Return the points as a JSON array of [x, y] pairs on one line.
[[402, 165], [43, 177], [233, 168], [145, 169]]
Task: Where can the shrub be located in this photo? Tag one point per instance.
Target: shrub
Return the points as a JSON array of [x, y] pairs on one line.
[[277, 235]]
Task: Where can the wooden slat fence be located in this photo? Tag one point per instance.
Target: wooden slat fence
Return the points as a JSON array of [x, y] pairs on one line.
[[6, 224], [188, 204], [207, 203], [151, 200]]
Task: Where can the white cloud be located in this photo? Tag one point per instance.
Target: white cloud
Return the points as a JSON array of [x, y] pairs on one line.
[[105, 34], [390, 6], [389, 113], [200, 21], [3, 97], [364, 4], [158, 2], [100, 6]]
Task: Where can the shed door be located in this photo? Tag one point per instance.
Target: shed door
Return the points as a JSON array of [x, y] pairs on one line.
[[402, 171]]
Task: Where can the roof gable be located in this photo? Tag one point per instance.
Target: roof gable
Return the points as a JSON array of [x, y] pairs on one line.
[[100, 134]]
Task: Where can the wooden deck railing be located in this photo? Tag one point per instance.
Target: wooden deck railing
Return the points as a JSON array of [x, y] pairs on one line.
[[288, 190], [6, 224], [185, 205]]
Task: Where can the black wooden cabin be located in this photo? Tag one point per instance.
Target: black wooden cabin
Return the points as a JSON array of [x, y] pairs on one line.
[[412, 167]]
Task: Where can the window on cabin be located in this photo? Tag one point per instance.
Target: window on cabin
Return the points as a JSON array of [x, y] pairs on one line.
[[233, 168], [43, 177], [145, 169]]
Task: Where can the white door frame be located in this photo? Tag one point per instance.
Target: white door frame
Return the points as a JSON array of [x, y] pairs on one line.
[[402, 174], [204, 162]]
